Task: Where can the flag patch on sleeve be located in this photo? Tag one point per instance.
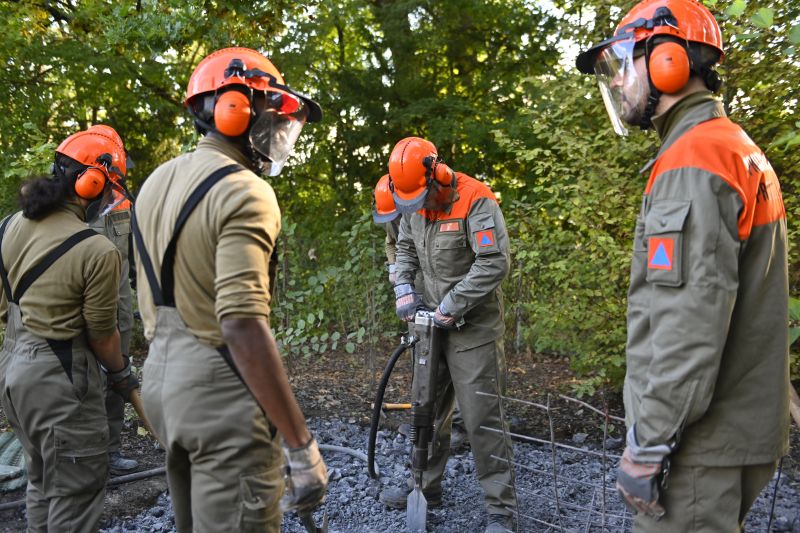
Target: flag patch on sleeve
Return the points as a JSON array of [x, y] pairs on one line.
[[485, 238], [660, 253]]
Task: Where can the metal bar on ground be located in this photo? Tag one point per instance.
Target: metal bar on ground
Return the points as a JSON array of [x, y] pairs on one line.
[[558, 444], [595, 409], [525, 402], [546, 473], [554, 455], [565, 504]]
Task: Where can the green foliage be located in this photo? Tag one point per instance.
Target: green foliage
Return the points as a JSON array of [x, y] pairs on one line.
[[341, 306]]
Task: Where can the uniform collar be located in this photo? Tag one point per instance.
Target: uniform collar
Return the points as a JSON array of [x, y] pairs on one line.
[[72, 206], [227, 148], [684, 115]]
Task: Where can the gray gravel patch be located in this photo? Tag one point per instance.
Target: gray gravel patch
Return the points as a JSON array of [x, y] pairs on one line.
[[353, 507]]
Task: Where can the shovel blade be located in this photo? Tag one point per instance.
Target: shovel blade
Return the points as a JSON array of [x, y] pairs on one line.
[[416, 511]]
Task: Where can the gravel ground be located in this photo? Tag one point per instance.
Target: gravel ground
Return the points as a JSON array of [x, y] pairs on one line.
[[353, 507]]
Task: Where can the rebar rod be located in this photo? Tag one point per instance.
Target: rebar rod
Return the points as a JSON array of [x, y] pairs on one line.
[[595, 409], [558, 444], [545, 472]]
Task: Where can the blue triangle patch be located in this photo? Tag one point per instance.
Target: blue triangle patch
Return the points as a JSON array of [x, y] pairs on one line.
[[660, 258], [485, 240]]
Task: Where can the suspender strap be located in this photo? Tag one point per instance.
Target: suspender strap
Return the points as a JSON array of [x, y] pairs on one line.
[[147, 263], [47, 261], [168, 264], [164, 294], [63, 350], [3, 271]]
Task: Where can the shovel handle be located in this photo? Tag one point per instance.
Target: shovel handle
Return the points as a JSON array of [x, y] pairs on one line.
[[136, 402], [794, 404]]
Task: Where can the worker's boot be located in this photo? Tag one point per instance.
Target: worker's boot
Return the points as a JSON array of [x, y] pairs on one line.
[[120, 465], [396, 497], [499, 523]]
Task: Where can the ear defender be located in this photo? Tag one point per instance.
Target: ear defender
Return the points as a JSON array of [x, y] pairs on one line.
[[439, 171], [232, 113], [669, 67], [89, 183]]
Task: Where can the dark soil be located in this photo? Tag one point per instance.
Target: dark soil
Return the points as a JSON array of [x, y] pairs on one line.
[[341, 387]]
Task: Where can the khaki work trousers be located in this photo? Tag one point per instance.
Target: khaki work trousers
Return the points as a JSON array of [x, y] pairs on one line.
[[62, 428], [461, 375], [701, 499], [223, 457]]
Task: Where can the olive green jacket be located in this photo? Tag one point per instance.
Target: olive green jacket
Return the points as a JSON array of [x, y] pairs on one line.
[[707, 351], [463, 255]]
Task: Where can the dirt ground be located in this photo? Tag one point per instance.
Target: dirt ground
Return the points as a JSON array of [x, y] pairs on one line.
[[342, 385]]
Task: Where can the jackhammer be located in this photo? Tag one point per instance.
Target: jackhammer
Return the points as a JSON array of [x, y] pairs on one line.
[[423, 412], [426, 343]]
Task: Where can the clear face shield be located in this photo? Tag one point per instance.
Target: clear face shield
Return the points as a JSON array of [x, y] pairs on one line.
[[277, 128], [113, 196], [624, 91]]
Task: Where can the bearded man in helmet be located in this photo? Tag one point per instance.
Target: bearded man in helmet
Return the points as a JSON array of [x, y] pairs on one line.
[[205, 226], [386, 214], [454, 232], [706, 390]]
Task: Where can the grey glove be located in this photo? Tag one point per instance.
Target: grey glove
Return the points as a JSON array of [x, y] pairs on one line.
[[306, 478], [639, 475], [407, 302], [123, 382]]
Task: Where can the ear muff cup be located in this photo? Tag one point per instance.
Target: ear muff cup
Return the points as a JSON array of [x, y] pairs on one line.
[[669, 67], [443, 174], [232, 113], [89, 184]]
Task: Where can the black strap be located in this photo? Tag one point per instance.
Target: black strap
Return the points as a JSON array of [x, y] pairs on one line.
[[147, 263], [47, 261], [3, 271], [168, 264], [164, 294]]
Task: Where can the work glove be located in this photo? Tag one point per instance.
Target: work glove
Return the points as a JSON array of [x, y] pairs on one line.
[[443, 319], [639, 475], [407, 301], [306, 478], [123, 382], [392, 273]]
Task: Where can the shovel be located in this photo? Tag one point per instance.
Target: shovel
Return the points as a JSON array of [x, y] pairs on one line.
[[416, 510]]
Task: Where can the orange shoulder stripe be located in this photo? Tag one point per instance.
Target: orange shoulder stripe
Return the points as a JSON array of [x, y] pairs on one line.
[[469, 191], [721, 147]]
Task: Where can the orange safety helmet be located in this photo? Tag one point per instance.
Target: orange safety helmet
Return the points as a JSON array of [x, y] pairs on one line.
[[679, 37], [96, 148], [221, 96], [238, 66], [384, 210], [413, 166], [686, 20]]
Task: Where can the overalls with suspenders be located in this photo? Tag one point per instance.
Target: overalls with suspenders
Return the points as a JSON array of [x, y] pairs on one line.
[[223, 456], [53, 394]]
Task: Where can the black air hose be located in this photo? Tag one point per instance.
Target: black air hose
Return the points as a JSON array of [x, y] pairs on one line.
[[376, 411]]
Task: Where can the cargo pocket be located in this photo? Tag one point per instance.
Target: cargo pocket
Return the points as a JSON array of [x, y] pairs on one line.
[[259, 495], [665, 242], [81, 457], [449, 247]]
